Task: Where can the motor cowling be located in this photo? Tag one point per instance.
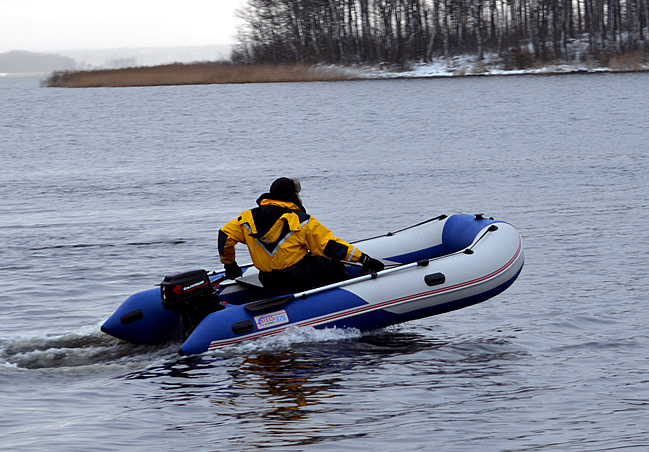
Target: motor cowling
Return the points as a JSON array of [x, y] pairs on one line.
[[192, 295]]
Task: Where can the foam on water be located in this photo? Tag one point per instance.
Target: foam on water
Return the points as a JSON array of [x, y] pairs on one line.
[[290, 337], [88, 350]]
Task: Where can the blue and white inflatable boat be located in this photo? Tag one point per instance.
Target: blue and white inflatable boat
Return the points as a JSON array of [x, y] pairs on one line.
[[437, 266]]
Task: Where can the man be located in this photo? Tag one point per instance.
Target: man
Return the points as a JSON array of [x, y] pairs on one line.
[[292, 250]]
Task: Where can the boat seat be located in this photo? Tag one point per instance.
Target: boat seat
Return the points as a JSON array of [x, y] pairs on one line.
[[250, 280]]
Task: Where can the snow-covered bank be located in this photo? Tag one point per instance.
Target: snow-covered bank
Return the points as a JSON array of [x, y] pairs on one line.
[[490, 65]]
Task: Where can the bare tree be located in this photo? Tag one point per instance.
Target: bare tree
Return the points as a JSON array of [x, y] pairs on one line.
[[400, 31]]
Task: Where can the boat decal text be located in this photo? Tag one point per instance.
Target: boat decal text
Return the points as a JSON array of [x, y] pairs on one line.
[[271, 319]]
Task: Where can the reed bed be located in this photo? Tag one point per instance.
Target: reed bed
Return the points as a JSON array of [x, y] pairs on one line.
[[194, 74]]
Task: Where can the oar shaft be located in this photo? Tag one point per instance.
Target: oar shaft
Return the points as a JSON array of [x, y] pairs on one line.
[[347, 282]]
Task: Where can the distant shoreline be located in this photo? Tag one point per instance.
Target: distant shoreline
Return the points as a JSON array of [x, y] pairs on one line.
[[204, 73]]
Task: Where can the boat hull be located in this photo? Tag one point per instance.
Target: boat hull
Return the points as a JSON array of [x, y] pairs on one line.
[[438, 266]]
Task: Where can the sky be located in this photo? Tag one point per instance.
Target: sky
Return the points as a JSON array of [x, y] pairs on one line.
[[50, 25]]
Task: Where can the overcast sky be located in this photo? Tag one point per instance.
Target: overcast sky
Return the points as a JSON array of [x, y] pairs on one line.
[[48, 25]]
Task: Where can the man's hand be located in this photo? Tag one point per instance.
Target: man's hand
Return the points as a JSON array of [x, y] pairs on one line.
[[371, 264], [232, 271]]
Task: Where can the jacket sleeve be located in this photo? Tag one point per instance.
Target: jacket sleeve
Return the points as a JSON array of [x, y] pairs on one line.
[[322, 242], [230, 235]]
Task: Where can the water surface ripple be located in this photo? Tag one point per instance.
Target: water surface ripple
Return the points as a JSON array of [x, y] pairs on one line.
[[105, 191]]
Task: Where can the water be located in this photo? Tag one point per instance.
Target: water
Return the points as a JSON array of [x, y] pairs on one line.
[[104, 191]]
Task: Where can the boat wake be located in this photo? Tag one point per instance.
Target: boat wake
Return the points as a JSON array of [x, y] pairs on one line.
[[89, 351], [86, 350]]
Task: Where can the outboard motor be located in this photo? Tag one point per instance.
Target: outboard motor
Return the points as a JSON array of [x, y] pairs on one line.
[[192, 295]]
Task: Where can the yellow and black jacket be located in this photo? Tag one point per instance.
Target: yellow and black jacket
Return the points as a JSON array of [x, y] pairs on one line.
[[279, 234]]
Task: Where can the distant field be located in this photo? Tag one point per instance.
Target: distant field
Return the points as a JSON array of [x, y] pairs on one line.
[[195, 74]]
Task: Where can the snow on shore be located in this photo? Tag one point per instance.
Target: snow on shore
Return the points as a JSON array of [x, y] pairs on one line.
[[468, 65]]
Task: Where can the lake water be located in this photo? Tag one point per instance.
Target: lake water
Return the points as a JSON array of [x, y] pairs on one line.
[[105, 191]]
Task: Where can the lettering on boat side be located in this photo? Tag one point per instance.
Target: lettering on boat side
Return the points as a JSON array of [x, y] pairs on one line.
[[271, 319]]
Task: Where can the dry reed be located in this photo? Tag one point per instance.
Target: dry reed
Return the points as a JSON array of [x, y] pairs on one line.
[[630, 61], [194, 74]]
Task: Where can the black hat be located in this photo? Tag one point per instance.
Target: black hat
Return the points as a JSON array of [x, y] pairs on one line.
[[285, 189]]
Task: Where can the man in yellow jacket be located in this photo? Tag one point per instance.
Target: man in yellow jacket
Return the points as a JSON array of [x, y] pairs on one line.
[[292, 250]]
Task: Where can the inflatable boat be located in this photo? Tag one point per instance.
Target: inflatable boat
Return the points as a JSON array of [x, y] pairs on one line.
[[436, 266]]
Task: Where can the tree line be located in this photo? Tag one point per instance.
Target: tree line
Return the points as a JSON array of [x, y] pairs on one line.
[[401, 31]]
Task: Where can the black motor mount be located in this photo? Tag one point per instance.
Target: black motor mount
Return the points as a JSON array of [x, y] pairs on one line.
[[192, 295]]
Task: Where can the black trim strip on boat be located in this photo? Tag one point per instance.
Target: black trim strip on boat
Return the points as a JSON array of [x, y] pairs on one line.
[[268, 303], [245, 326], [435, 279], [131, 317]]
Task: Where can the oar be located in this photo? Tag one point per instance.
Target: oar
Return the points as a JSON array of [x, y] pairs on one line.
[[261, 305], [371, 275]]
